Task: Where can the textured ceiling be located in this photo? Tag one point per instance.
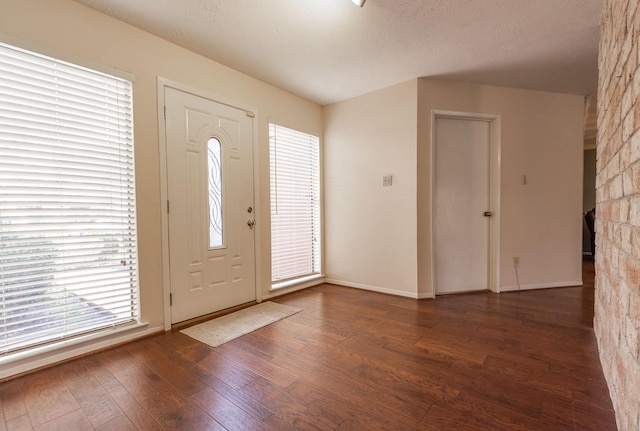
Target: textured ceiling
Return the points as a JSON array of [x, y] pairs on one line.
[[331, 50]]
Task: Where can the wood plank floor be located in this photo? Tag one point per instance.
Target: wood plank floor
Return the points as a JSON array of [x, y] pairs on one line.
[[352, 360]]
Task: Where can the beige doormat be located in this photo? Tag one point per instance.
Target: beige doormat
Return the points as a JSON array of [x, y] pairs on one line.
[[226, 328]]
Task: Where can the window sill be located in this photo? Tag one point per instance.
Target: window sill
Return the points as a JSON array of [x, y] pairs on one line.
[[288, 286], [41, 356]]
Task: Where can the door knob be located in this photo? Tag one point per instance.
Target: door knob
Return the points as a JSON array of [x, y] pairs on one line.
[[488, 213], [250, 223]]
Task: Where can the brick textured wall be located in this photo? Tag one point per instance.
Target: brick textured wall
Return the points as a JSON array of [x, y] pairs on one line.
[[617, 309]]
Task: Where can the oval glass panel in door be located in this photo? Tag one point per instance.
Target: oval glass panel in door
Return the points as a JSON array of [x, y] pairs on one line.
[[214, 175]]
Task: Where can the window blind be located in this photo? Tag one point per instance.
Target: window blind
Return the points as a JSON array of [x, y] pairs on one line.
[[295, 203], [68, 253]]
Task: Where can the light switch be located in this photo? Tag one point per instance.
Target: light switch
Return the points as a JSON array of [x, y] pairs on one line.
[[387, 180]]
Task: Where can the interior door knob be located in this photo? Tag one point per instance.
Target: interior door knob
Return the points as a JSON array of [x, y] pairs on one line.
[[488, 213], [250, 223]]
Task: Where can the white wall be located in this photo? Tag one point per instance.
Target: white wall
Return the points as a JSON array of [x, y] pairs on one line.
[[541, 222], [370, 230], [71, 30], [378, 237]]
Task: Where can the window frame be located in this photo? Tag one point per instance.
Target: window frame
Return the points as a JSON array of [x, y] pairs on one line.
[[118, 331], [317, 252]]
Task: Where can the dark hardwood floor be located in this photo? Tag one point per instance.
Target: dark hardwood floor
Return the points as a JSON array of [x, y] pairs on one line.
[[352, 360]]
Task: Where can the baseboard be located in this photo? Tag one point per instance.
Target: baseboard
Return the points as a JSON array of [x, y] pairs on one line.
[[376, 289], [541, 286]]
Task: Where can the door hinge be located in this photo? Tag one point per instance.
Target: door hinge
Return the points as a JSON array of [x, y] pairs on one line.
[[170, 299], [165, 112], [167, 206], [250, 114]]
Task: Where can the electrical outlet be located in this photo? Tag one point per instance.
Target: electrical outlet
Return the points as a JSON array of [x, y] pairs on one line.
[[387, 180], [516, 261]]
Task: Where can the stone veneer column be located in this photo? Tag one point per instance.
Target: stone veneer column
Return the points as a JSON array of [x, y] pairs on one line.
[[617, 306]]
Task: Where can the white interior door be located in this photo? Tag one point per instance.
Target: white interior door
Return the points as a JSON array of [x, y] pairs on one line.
[[210, 192], [461, 198]]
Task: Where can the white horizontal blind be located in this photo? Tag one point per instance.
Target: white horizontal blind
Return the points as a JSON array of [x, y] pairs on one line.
[[295, 203], [68, 254]]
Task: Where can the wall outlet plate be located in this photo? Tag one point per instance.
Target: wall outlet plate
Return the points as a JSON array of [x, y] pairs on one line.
[[387, 180]]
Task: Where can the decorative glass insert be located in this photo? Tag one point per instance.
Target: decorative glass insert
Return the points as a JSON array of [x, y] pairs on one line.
[[214, 173]]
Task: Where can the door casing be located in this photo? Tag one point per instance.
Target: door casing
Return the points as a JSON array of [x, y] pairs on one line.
[[494, 190], [162, 143]]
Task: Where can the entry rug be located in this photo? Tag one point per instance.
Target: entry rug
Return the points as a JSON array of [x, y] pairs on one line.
[[226, 328]]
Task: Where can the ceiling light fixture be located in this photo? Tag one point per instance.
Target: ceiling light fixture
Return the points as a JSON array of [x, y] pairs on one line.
[[359, 2]]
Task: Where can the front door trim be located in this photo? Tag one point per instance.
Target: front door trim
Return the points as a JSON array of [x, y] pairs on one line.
[[495, 122], [162, 151]]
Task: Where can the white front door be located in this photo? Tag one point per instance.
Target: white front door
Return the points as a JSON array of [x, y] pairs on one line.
[[210, 191], [461, 198]]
